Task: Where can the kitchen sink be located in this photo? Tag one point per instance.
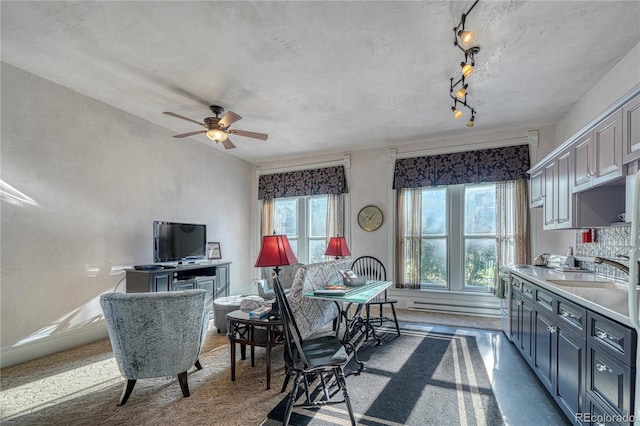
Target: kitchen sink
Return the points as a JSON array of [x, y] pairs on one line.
[[585, 284]]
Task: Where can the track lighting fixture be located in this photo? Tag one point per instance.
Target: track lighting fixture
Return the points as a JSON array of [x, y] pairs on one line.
[[462, 92], [458, 90], [472, 120], [466, 37], [467, 69]]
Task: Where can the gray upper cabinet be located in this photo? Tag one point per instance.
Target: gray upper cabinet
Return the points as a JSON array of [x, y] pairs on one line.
[[536, 189], [597, 155], [631, 130]]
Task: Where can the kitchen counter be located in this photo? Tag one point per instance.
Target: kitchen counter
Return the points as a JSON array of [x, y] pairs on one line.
[[605, 296]]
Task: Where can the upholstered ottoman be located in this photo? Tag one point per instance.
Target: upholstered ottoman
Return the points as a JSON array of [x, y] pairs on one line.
[[221, 307]]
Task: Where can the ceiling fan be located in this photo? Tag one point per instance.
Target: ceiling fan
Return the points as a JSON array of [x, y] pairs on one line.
[[217, 128]]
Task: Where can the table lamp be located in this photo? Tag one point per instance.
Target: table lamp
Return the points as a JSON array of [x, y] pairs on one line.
[[275, 251], [337, 247]]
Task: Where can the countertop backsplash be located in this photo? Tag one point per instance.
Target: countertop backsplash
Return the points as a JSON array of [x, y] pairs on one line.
[[608, 242]]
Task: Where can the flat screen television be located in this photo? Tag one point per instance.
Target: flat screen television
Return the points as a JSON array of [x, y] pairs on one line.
[[174, 241]]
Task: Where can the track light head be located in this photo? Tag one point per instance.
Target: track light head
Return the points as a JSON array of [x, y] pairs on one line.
[[456, 112], [467, 69], [466, 37], [471, 121], [462, 92]]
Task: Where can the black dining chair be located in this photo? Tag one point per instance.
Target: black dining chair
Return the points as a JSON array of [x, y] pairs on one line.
[[373, 269], [305, 359]]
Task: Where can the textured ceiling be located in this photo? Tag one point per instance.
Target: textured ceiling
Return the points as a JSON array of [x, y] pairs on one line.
[[322, 76]]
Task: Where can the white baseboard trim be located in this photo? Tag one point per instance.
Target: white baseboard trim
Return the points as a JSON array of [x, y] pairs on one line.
[[56, 342], [463, 303]]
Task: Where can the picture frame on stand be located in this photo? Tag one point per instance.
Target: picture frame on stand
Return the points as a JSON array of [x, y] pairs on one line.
[[213, 251]]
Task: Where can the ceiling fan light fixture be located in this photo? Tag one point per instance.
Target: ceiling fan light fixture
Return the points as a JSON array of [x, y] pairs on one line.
[[217, 135]]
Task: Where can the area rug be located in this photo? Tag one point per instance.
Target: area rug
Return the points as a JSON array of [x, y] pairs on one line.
[[418, 378]]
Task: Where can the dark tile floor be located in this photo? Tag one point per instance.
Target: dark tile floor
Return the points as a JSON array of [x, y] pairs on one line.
[[522, 398]]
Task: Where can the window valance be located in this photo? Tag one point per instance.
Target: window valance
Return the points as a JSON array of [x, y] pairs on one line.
[[486, 165], [328, 180]]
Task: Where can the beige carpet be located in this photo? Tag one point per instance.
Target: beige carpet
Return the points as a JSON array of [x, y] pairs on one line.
[[82, 386]]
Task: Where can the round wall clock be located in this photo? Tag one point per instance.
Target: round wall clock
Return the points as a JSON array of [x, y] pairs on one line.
[[370, 218]]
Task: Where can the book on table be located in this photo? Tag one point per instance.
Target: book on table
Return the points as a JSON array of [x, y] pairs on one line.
[[260, 312], [336, 290]]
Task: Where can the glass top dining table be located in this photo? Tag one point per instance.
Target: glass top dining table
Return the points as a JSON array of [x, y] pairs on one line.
[[360, 294], [355, 323]]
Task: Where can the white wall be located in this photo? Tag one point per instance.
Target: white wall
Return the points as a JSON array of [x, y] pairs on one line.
[[620, 80], [89, 181], [623, 78]]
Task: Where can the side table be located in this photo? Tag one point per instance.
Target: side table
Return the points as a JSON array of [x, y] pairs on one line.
[[265, 332]]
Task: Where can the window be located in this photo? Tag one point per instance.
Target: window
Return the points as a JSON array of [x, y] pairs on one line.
[[479, 235], [457, 237], [433, 264], [304, 221]]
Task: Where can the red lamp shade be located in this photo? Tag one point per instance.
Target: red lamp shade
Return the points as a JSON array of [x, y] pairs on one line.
[[337, 247], [275, 251]]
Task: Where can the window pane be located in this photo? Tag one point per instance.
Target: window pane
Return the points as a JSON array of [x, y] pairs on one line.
[[479, 262], [434, 211], [317, 217], [434, 261], [286, 216], [480, 209], [316, 250]]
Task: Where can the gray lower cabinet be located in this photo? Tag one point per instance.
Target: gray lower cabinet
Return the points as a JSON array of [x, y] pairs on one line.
[[585, 360], [570, 358], [559, 357], [611, 366], [522, 316]]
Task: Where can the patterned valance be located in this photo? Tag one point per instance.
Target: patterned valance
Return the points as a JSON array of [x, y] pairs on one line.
[[486, 165], [329, 180]]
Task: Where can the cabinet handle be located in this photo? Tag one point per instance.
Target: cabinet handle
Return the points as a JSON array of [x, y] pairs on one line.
[[601, 334], [568, 314], [602, 367], [519, 303], [552, 329]]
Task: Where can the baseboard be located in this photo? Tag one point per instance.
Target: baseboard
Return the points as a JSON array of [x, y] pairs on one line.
[[60, 341]]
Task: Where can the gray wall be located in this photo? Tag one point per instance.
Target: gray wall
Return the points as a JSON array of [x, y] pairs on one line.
[[82, 183]]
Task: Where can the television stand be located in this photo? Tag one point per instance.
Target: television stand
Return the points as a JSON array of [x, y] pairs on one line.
[[213, 277]]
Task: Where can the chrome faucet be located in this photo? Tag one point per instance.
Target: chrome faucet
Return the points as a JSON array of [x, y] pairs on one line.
[[618, 265]]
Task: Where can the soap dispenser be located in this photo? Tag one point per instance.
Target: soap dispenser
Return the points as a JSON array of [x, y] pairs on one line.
[[571, 261]]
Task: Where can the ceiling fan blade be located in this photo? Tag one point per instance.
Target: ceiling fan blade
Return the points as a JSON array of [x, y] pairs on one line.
[[249, 134], [229, 118], [228, 144], [184, 135], [184, 118]]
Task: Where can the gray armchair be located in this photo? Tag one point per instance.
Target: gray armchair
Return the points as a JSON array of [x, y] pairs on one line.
[[286, 275], [155, 334]]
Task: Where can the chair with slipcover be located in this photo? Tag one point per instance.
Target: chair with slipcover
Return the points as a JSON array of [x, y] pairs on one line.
[[306, 358], [373, 269], [155, 334]]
